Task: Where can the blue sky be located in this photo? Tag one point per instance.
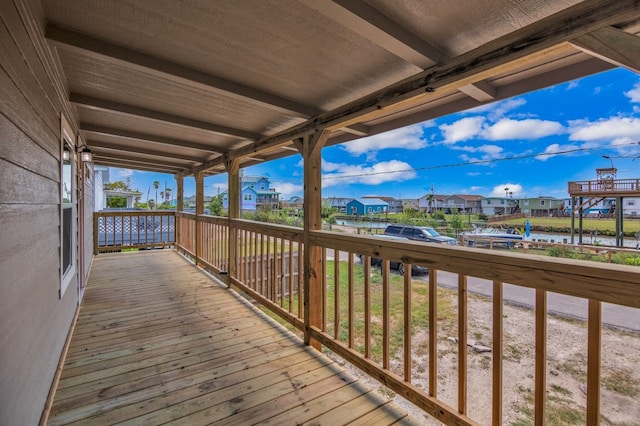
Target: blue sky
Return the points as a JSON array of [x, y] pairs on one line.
[[533, 144]]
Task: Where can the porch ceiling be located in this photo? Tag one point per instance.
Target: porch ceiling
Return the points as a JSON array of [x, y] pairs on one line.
[[180, 87]]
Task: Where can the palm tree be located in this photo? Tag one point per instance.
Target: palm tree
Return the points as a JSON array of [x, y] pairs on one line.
[[167, 194], [430, 199], [156, 185]]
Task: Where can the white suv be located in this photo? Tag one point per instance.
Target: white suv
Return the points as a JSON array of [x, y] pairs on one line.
[[419, 233]]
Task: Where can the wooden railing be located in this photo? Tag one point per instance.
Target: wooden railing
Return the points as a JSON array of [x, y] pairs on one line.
[[372, 320], [609, 186], [121, 230]]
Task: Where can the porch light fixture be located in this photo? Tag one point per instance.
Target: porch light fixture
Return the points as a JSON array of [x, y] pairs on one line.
[[85, 155]]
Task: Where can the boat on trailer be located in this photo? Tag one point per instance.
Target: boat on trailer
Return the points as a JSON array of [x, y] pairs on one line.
[[488, 236]]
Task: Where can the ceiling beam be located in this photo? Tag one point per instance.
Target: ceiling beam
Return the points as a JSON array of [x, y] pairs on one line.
[[378, 28], [357, 129], [481, 91], [509, 52], [118, 108], [101, 153], [111, 163], [107, 131], [131, 163], [139, 161], [92, 143], [368, 22], [72, 40], [612, 45]]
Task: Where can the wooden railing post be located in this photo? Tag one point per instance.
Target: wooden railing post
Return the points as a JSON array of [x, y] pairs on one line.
[[179, 206], [233, 169], [199, 212], [311, 148]]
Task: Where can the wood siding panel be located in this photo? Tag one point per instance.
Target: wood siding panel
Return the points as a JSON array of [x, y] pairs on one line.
[[17, 148], [34, 322]]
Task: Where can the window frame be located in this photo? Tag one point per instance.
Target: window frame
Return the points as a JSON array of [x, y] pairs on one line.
[[68, 272]]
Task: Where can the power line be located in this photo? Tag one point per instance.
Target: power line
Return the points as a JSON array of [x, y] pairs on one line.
[[475, 162]]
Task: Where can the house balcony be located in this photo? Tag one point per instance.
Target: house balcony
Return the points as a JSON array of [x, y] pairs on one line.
[[605, 188], [157, 340]]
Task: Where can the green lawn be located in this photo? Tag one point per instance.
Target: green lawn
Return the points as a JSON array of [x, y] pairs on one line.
[[559, 224]]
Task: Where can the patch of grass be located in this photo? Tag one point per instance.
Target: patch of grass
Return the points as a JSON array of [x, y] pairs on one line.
[[575, 367], [485, 362], [561, 391], [513, 353], [621, 382]]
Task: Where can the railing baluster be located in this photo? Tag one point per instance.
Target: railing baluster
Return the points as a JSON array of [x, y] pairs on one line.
[[323, 289], [366, 265], [301, 249], [433, 332], [385, 314], [594, 348], [462, 343], [497, 353], [350, 301], [290, 276], [282, 272], [407, 322], [541, 357], [336, 297]]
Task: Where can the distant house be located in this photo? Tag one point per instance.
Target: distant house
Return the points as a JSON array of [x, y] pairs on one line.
[[294, 202], [190, 202], [337, 202], [595, 207], [541, 206], [100, 176], [255, 191], [492, 206], [462, 203], [395, 206], [631, 206], [410, 203], [366, 206], [437, 203]]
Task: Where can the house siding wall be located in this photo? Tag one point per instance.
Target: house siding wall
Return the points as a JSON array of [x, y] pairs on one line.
[[34, 322]]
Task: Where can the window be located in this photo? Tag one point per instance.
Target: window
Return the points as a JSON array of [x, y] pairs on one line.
[[68, 212], [631, 202], [542, 202], [248, 197]]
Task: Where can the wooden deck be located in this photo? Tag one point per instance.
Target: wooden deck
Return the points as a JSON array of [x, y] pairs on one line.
[[157, 341]]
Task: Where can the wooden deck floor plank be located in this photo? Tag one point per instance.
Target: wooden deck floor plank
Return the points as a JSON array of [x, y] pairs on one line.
[[110, 398], [350, 410], [156, 309], [317, 406], [174, 352], [162, 373], [177, 404], [168, 332], [142, 354], [115, 327], [385, 415], [254, 407], [109, 354]]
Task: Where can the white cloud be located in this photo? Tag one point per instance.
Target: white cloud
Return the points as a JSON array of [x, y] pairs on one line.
[[499, 109], [386, 171], [507, 128], [123, 173], [502, 189], [476, 188], [461, 130], [490, 151], [553, 149], [288, 190], [410, 137], [604, 129], [573, 85]]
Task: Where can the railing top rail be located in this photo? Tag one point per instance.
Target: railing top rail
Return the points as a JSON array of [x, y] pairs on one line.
[[618, 284], [135, 213]]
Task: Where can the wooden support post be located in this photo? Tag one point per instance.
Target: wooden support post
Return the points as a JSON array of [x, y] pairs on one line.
[[179, 205], [233, 176], [580, 222], [199, 212], [311, 148], [573, 219]]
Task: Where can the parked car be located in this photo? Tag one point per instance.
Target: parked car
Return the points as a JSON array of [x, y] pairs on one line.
[[419, 233], [399, 266]]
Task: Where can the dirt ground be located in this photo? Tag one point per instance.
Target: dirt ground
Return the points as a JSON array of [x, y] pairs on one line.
[[566, 370]]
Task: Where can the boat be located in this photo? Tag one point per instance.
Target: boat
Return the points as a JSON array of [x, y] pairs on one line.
[[491, 236]]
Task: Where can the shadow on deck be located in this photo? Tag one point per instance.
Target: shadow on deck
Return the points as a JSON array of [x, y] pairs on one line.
[[158, 341]]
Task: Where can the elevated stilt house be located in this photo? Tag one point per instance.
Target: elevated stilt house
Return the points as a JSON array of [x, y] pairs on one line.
[[207, 87]]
